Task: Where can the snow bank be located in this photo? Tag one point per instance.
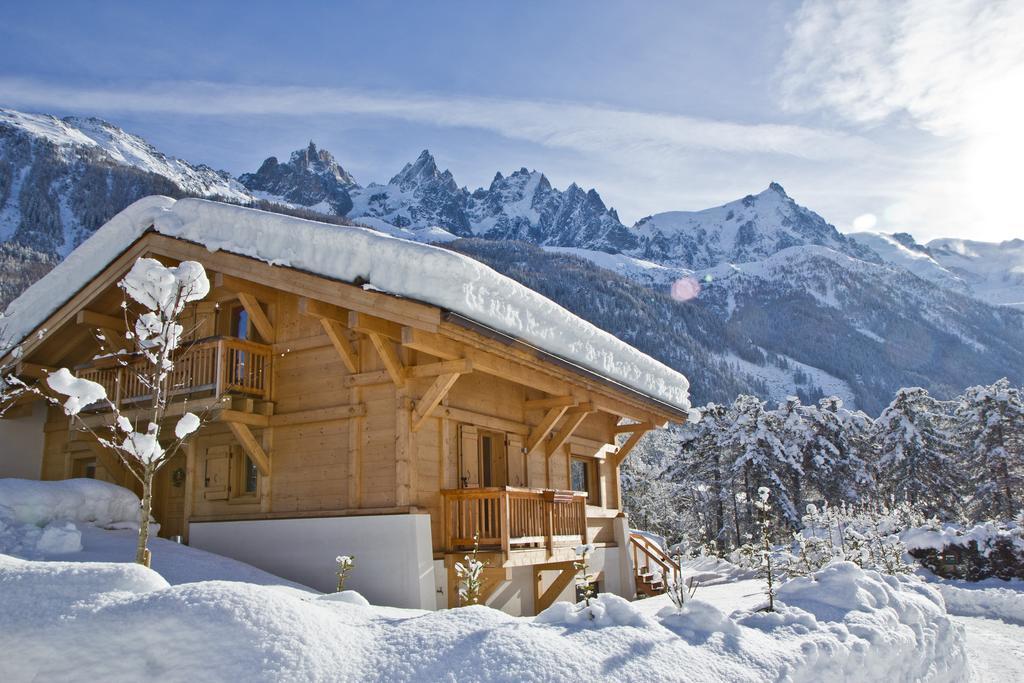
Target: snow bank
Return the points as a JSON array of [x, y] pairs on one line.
[[891, 627], [71, 621], [24, 501], [710, 571], [416, 271], [992, 599]]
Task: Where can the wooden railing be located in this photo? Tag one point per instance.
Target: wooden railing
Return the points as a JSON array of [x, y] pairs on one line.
[[513, 518], [218, 365], [648, 556]]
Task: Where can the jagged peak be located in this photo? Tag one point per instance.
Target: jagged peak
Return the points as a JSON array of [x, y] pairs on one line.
[[777, 189]]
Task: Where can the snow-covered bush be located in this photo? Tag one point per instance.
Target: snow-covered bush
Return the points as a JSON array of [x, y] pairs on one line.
[[345, 565], [584, 579], [470, 573], [992, 548]]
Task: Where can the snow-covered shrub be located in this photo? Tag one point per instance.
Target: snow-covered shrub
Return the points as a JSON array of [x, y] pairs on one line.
[[584, 579], [680, 592], [470, 575], [345, 565], [992, 548], [764, 509], [162, 292]]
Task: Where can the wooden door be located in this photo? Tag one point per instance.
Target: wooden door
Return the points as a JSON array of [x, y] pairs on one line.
[[169, 497]]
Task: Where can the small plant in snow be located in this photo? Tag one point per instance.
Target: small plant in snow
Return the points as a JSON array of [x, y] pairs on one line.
[[764, 510], [584, 579], [680, 592], [470, 575], [345, 565]]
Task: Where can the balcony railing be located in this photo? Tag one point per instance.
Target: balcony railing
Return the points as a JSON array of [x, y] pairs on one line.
[[513, 518], [217, 365]]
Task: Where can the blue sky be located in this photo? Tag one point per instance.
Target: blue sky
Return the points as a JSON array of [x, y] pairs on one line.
[[878, 116]]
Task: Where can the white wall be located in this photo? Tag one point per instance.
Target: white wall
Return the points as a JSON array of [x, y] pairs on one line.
[[21, 444], [393, 555]]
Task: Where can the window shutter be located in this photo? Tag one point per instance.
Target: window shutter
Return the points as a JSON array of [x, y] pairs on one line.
[[516, 461], [469, 457], [217, 473]]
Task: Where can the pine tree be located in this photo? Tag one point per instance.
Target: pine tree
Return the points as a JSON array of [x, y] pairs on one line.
[[991, 420], [759, 458], [915, 453]]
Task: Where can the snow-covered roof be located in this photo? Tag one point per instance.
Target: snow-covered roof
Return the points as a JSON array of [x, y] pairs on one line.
[[421, 272]]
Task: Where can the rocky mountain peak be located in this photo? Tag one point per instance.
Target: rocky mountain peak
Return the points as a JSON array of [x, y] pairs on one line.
[[420, 172]]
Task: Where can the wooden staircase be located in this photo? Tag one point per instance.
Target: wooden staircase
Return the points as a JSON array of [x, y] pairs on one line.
[[652, 566]]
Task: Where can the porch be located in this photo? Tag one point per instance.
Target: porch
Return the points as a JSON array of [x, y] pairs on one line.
[[526, 525]]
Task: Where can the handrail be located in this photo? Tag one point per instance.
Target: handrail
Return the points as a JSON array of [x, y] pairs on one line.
[[511, 516], [218, 364], [653, 553]]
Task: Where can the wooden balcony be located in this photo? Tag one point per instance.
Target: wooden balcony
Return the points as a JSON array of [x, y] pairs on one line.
[[512, 519], [213, 366]]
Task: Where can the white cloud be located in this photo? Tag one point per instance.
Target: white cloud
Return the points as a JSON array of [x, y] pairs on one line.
[[580, 127], [952, 68]]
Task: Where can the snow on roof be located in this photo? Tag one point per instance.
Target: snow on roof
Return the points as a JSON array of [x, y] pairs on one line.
[[422, 272]]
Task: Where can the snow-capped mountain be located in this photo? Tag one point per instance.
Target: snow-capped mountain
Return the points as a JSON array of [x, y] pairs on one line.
[[60, 179], [760, 295], [311, 178], [744, 230], [421, 198]]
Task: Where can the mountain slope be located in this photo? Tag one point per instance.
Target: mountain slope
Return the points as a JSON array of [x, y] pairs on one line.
[[994, 272], [60, 179]]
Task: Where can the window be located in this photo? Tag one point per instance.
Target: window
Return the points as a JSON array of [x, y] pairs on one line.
[[245, 476], [85, 468], [583, 478], [239, 322]]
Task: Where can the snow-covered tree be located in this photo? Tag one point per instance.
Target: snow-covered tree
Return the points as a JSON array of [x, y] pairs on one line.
[[470, 573], [759, 458], [161, 293], [915, 453], [991, 421]]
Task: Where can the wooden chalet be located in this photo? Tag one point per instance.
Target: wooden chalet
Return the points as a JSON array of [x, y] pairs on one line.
[[346, 420]]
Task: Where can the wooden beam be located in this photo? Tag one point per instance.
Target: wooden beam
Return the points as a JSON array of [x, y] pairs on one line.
[[339, 339], [585, 408], [370, 324], [617, 458], [498, 424], [572, 422], [239, 417], [541, 431], [257, 316], [642, 426], [318, 415], [459, 366], [32, 370], [552, 402], [233, 285], [97, 320], [251, 446], [389, 355], [433, 396], [320, 309], [366, 379], [567, 573]]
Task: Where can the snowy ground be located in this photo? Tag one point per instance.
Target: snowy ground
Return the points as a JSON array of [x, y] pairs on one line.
[[72, 609]]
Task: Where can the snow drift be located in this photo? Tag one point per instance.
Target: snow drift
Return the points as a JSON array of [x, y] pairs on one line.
[[68, 620]]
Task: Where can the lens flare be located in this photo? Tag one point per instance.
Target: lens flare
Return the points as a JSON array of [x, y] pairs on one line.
[[685, 289]]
